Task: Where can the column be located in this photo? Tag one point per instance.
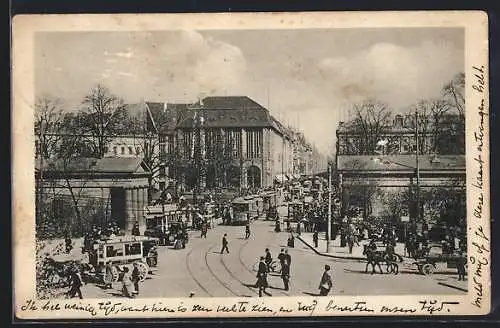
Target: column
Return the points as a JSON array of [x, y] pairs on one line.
[[243, 144], [129, 217]]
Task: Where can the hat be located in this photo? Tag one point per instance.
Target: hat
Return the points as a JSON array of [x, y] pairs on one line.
[[327, 267], [262, 258]]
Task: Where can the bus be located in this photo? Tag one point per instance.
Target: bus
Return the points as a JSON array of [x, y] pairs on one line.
[[165, 222]]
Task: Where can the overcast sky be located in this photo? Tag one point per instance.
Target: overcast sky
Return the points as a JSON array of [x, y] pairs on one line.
[[307, 78]]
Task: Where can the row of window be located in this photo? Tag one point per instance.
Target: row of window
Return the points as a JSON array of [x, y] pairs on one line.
[[124, 150]]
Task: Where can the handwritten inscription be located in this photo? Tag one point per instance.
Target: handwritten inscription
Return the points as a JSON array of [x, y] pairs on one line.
[[480, 243], [112, 308]]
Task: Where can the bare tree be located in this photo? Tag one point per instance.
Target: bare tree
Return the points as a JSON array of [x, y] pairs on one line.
[[454, 93], [49, 117], [101, 118], [371, 120]]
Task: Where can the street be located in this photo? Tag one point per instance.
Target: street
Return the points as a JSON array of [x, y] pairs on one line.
[[201, 269]]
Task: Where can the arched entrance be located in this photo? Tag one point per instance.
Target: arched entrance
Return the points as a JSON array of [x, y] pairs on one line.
[[233, 176], [253, 177]]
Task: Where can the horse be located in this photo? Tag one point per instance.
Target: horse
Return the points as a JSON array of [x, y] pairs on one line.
[[374, 258]]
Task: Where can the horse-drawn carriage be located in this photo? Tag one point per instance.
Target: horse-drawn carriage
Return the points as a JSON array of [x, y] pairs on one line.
[[435, 258], [378, 253], [121, 252]]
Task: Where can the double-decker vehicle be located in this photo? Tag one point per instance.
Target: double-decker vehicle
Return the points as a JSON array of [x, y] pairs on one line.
[[165, 222], [123, 252]]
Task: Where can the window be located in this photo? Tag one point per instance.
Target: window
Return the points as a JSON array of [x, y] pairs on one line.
[[58, 207], [123, 150], [133, 249], [106, 150], [130, 151], [115, 151]]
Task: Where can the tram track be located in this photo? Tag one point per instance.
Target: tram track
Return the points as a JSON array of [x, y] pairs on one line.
[[191, 274], [213, 273]]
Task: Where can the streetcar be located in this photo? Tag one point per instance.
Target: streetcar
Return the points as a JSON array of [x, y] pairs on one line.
[[165, 223], [243, 209]]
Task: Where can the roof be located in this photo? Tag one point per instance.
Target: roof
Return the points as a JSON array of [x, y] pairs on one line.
[[231, 112], [167, 115], [400, 162], [94, 165]]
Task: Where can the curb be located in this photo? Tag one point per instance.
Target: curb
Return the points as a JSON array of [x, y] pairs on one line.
[[330, 255]]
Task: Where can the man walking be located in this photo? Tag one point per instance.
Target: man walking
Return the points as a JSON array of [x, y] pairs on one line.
[[285, 275], [76, 284], [247, 230], [204, 230], [325, 284], [288, 259], [315, 238], [224, 244], [282, 258], [262, 277], [136, 278], [269, 259], [461, 262]]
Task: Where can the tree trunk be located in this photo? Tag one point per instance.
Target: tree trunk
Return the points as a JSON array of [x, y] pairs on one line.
[[75, 204]]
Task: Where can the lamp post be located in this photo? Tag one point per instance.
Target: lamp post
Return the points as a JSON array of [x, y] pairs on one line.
[[329, 229], [417, 167]]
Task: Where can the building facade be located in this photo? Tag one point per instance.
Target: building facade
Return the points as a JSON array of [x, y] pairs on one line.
[[100, 190]]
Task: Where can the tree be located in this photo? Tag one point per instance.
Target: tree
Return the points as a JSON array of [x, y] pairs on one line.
[[49, 117], [101, 118], [454, 93], [371, 120]]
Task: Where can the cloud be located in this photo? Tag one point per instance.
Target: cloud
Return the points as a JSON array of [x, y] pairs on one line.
[[394, 74]]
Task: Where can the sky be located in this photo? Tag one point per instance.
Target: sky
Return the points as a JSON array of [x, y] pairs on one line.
[[307, 78]]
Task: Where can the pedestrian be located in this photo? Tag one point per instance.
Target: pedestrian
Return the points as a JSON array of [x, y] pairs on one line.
[[315, 238], [277, 227], [127, 283], [298, 228], [288, 258], [76, 284], [269, 259], [325, 284], [247, 230], [262, 277], [282, 257], [285, 275], [291, 241], [461, 262], [288, 228], [135, 229], [109, 276], [68, 242], [224, 244], [204, 230], [136, 277]]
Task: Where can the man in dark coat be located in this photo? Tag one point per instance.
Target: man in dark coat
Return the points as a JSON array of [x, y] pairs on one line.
[[325, 284], [315, 238], [461, 262], [224, 244], [247, 230], [136, 278], [262, 277], [135, 229], [269, 259], [285, 275], [76, 284], [288, 258]]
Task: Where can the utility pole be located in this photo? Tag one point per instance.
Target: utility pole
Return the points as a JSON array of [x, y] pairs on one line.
[[417, 166], [329, 230]]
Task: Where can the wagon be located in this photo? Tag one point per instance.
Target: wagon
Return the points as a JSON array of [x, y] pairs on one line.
[[436, 260], [123, 252]]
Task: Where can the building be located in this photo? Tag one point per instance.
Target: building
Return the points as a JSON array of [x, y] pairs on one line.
[[232, 142], [379, 167], [437, 135], [93, 190]]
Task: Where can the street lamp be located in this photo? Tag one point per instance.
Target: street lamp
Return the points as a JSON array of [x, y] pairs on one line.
[[329, 229]]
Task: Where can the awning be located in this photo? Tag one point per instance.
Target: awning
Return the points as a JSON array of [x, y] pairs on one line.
[[280, 178]]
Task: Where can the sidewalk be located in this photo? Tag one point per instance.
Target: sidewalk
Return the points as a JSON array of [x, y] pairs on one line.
[[335, 250]]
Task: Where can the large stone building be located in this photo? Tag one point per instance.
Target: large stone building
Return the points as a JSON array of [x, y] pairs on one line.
[[231, 142]]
